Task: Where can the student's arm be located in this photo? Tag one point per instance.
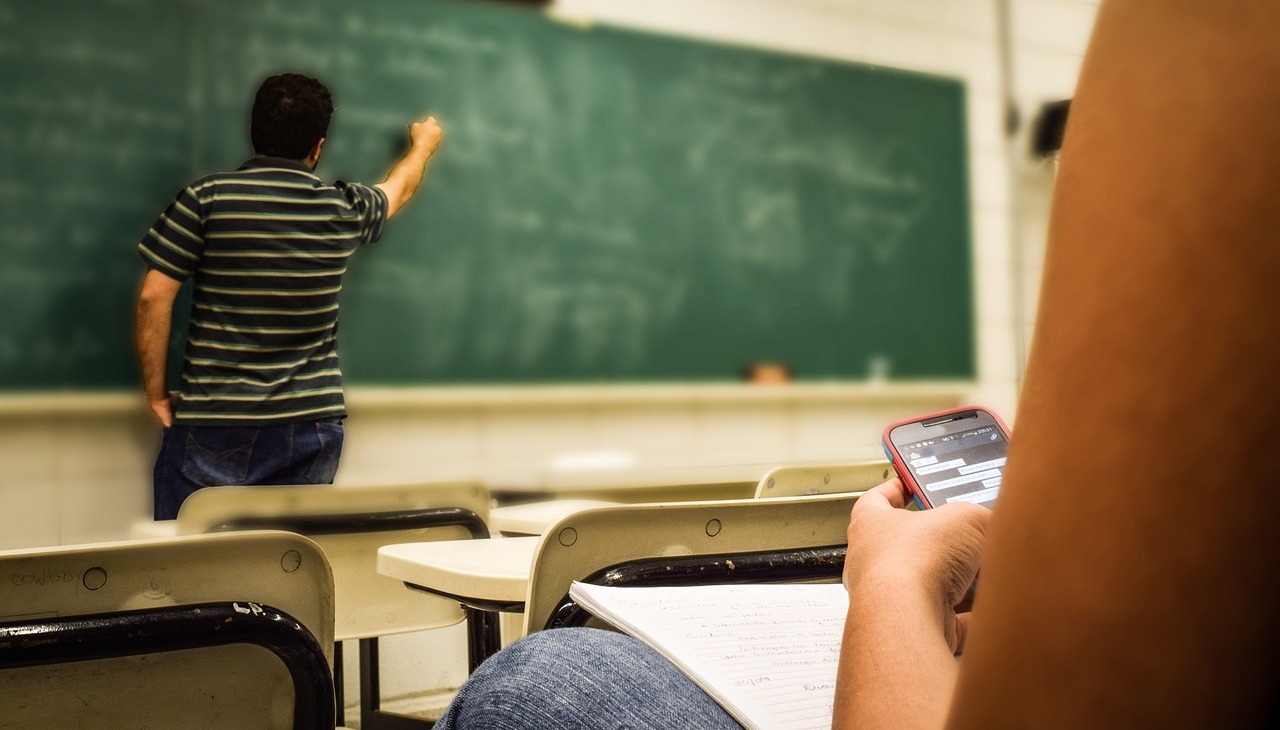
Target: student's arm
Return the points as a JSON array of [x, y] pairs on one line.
[[1131, 571], [151, 333], [1129, 575], [906, 572], [403, 180]]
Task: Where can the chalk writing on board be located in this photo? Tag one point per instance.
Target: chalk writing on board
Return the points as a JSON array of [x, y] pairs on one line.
[[285, 17], [443, 36], [608, 204], [94, 108]]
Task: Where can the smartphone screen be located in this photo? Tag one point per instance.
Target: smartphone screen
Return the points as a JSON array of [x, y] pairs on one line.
[[957, 456]]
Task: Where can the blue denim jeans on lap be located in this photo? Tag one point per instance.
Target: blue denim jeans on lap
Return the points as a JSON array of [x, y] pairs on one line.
[[193, 457], [581, 679]]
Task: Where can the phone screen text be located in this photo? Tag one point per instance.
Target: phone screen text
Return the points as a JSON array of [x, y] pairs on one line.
[[962, 467]]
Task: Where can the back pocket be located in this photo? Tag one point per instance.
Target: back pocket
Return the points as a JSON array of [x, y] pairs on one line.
[[216, 457], [329, 435]]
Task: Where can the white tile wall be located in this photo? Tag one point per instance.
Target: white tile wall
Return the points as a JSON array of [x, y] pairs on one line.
[[401, 446], [531, 436], [1048, 39], [27, 449], [742, 433], [972, 59], [832, 433], [1058, 26], [32, 513], [649, 433]]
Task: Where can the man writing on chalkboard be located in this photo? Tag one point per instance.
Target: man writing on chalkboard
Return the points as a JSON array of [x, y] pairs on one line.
[[266, 246]]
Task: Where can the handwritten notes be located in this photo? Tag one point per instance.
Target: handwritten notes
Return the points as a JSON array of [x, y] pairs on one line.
[[767, 653]]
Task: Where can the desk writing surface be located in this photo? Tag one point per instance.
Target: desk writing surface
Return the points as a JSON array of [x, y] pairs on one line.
[[656, 476], [657, 485], [494, 570], [534, 518], [607, 206]]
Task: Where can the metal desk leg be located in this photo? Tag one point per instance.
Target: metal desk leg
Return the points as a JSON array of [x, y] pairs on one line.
[[483, 636]]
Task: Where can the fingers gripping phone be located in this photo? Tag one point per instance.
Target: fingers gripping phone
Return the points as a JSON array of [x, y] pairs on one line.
[[952, 456]]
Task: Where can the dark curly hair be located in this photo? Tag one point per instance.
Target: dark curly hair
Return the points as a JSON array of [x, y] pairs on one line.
[[290, 113]]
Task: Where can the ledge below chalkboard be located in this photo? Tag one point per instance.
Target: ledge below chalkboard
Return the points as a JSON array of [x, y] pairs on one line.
[[362, 399]]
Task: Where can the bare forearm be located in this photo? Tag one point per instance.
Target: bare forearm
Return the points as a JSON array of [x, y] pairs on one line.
[[896, 667], [406, 176], [151, 334], [154, 319], [1134, 541]]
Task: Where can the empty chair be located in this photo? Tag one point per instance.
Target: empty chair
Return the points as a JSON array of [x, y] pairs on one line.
[[669, 543], [790, 481], [580, 490], [209, 631], [686, 543], [350, 524], [533, 518]]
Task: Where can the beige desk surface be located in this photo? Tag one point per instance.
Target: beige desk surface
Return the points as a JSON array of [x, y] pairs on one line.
[[630, 478], [492, 570], [534, 518], [153, 528]]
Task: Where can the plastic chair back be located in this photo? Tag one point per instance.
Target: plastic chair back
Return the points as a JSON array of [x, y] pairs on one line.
[[587, 541], [350, 524], [794, 481], [93, 635]]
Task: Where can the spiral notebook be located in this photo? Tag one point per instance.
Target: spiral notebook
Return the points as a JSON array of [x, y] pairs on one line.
[[767, 653]]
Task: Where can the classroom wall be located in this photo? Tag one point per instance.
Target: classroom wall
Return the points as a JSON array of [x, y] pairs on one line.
[[77, 466], [1048, 41]]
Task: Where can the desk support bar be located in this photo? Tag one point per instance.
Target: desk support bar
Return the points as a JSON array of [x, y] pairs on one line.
[[344, 524], [768, 566], [483, 632], [41, 642]]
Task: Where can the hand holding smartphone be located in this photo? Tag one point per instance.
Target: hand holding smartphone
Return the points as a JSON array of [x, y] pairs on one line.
[[952, 456]]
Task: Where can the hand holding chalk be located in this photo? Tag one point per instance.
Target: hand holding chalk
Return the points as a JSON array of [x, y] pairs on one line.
[[426, 134]]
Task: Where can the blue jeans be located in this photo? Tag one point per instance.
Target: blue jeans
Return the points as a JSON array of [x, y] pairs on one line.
[[194, 457], [563, 679]]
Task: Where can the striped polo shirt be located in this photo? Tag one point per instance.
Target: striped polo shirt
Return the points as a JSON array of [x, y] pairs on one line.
[[266, 246]]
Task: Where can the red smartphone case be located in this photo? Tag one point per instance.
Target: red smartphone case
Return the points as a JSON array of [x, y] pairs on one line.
[[900, 466]]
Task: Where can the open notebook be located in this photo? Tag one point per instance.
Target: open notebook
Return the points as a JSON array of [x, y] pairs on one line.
[[767, 653]]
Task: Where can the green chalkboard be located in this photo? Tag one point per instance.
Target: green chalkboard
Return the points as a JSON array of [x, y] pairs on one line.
[[92, 137], [608, 205]]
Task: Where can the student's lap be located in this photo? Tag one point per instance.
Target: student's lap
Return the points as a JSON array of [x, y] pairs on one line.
[[581, 679]]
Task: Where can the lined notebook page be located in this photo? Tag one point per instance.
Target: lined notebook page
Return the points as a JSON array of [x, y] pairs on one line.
[[767, 653]]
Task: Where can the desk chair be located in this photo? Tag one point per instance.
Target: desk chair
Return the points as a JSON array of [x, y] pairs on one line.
[[534, 518], [571, 492], [726, 541], [792, 481], [673, 543], [210, 631], [350, 524]]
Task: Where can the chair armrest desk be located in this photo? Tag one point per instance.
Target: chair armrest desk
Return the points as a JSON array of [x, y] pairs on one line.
[[485, 576]]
